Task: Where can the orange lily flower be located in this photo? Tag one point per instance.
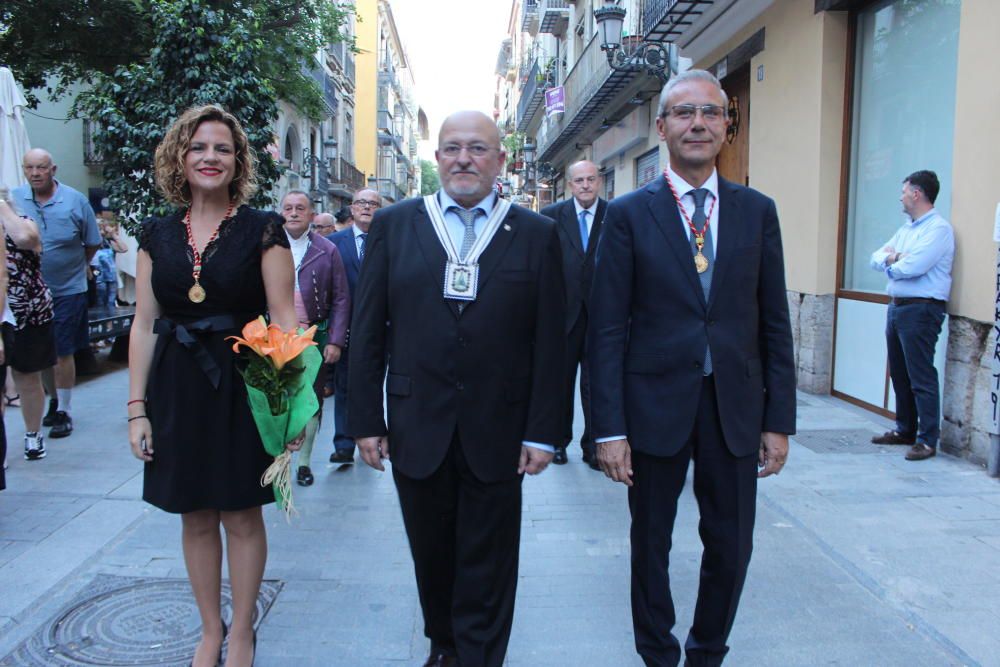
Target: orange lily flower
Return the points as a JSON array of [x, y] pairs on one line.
[[286, 346], [255, 337]]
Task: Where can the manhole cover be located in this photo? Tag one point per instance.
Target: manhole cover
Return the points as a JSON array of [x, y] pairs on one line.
[[837, 442], [119, 621]]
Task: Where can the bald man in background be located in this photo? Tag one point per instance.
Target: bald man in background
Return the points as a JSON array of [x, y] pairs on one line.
[[70, 238], [578, 221]]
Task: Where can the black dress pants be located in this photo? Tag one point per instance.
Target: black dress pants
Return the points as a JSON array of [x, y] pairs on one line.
[[464, 536], [575, 356], [725, 487]]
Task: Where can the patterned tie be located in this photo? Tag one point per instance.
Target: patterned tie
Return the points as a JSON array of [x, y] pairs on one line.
[[584, 234], [469, 220], [699, 221], [361, 251]]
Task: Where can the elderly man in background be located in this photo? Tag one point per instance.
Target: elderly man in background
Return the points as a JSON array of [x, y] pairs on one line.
[[70, 238], [352, 241], [323, 224], [321, 298]]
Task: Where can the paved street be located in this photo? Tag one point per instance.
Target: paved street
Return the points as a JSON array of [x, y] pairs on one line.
[[861, 558]]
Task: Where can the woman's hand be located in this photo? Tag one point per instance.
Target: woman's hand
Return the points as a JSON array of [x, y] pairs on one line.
[[140, 437], [295, 443]]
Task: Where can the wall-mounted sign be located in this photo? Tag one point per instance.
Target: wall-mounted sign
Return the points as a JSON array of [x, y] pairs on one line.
[[555, 101]]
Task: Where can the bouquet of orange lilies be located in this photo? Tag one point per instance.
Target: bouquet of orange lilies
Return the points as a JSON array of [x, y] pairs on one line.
[[279, 374]]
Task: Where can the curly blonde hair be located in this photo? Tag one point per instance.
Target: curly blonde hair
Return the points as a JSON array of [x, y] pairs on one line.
[[170, 154]]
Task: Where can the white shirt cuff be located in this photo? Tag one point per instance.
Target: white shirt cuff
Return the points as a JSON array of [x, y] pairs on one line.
[[538, 445], [610, 438]]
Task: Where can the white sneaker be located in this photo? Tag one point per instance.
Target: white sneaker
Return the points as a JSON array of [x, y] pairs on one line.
[[34, 447]]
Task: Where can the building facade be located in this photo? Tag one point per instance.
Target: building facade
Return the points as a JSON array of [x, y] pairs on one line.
[[832, 104], [390, 121]]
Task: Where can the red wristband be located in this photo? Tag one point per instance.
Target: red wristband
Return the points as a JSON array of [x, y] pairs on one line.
[[135, 400]]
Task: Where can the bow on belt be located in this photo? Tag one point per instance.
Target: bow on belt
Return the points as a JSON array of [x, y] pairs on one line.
[[184, 333]]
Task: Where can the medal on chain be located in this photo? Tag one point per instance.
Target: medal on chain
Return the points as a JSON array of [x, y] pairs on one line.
[[700, 261], [197, 293]]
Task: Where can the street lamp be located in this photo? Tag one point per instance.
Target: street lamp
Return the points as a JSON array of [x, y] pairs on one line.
[[654, 58], [325, 160], [529, 149]]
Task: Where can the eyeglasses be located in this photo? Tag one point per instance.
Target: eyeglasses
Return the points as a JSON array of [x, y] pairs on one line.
[[365, 203], [710, 112], [475, 150]]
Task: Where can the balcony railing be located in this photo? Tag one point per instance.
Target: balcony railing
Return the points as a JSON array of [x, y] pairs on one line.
[[327, 88], [529, 16], [554, 16], [390, 190], [345, 176], [666, 20], [532, 94], [591, 87]]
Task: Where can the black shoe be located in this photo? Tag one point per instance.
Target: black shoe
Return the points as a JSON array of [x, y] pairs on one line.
[[50, 417], [342, 456], [62, 425], [305, 476], [560, 458]]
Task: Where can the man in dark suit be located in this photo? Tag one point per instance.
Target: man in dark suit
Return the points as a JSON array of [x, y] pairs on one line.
[[691, 358], [578, 220], [462, 291], [351, 242]]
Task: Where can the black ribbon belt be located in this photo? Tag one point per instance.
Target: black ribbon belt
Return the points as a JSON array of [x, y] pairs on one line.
[[185, 332]]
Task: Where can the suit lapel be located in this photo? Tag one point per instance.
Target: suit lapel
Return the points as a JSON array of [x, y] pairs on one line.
[[595, 228], [434, 255], [312, 252], [664, 209], [495, 251], [729, 230], [571, 225]]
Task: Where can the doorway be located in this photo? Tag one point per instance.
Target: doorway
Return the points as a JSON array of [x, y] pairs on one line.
[[733, 162]]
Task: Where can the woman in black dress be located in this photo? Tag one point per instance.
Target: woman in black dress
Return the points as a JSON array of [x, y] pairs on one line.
[[202, 274]]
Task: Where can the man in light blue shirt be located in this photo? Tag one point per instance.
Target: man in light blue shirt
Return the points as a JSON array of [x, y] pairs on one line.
[[917, 261], [70, 238]]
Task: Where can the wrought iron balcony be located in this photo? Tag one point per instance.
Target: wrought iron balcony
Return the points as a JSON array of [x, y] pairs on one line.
[[345, 178], [390, 190], [327, 88], [529, 16], [532, 95], [666, 20], [554, 16]]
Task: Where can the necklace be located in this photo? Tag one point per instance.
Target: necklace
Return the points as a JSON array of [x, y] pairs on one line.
[[197, 293], [700, 261]]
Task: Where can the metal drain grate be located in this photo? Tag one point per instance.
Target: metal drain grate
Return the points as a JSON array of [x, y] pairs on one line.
[[118, 621], [838, 442]]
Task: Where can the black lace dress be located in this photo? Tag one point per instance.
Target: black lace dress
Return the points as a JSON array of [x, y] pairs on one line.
[[207, 452]]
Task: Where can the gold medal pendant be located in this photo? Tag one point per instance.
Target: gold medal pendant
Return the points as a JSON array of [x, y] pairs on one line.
[[700, 262], [197, 293]]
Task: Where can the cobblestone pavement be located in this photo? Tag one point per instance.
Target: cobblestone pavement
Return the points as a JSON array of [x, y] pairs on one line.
[[861, 558]]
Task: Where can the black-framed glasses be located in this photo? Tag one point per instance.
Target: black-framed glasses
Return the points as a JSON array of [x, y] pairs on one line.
[[365, 203], [475, 150], [710, 112]]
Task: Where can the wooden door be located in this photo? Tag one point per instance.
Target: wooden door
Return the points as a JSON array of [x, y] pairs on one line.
[[734, 159]]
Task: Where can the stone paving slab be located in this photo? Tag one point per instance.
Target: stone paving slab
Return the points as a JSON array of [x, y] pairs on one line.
[[860, 559]]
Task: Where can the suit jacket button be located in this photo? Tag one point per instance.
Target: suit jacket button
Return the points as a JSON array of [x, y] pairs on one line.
[[697, 364], [459, 386]]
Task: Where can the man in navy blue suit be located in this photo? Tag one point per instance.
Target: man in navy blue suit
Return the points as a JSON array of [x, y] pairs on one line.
[[351, 244], [691, 358]]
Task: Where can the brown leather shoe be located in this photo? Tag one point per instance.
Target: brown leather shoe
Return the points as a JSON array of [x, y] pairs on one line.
[[919, 452], [894, 438], [441, 660]]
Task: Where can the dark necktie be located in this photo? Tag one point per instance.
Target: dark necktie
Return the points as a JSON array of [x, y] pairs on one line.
[[361, 250], [700, 221]]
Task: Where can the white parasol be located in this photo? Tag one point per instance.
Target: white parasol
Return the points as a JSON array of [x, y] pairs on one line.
[[13, 135]]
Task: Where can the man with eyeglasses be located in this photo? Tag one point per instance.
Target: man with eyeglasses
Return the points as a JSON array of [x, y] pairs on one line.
[[352, 243], [690, 348], [578, 220], [70, 238], [322, 224], [462, 292]]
